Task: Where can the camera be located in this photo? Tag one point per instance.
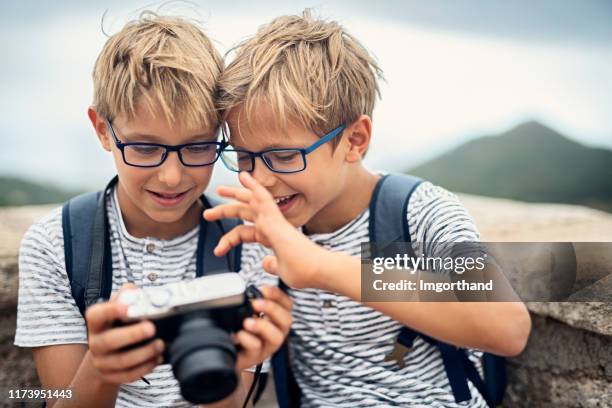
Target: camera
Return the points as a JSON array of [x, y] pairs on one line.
[[195, 319]]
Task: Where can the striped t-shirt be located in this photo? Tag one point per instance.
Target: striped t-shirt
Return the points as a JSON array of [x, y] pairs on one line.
[[47, 314], [338, 345]]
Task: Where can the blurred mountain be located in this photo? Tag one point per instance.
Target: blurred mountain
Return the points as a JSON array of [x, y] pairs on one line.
[[530, 162], [15, 191]]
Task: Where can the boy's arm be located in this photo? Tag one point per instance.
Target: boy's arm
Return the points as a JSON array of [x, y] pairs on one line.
[[501, 328], [69, 366], [49, 322], [498, 327], [95, 373]]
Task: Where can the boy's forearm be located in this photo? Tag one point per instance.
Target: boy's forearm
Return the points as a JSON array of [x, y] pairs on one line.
[[498, 327], [88, 388]]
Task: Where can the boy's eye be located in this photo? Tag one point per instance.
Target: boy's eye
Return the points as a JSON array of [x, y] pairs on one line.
[[145, 149], [199, 149], [283, 156]]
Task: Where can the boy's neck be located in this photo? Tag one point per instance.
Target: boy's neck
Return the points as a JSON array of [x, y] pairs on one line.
[[353, 200], [140, 225]]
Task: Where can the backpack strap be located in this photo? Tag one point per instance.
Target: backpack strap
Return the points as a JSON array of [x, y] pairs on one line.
[[210, 234], [388, 208], [87, 251], [388, 224]]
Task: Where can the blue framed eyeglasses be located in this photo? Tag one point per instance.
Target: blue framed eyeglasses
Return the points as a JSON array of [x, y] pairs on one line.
[[140, 154], [277, 160]]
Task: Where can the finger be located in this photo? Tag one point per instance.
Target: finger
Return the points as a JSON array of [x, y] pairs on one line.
[[270, 264], [280, 316], [230, 210], [237, 193], [133, 374], [276, 294], [260, 193], [118, 338], [249, 342], [131, 358], [271, 335], [238, 235], [100, 316]]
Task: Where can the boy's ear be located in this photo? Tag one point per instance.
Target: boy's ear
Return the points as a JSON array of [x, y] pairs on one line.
[[358, 135], [99, 125]]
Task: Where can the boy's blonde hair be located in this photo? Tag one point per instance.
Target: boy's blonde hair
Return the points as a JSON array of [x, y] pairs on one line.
[[307, 70], [165, 63]]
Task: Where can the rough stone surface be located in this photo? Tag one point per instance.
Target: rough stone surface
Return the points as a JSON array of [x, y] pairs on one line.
[[561, 367], [568, 359]]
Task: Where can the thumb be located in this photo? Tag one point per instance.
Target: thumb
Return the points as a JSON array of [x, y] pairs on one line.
[[270, 264]]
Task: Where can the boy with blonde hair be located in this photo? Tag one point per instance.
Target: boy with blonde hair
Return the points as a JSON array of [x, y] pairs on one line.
[[298, 99], [154, 111]]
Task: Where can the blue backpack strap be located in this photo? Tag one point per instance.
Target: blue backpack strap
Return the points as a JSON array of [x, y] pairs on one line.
[[388, 224], [210, 234], [87, 251], [495, 377], [388, 208]]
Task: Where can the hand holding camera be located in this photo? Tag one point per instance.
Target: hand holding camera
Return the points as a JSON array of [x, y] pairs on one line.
[[108, 345], [206, 327]]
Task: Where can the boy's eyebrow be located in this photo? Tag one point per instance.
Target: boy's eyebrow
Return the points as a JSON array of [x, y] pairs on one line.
[[268, 147], [143, 137]]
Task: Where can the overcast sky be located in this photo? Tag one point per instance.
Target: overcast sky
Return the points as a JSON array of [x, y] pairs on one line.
[[454, 70]]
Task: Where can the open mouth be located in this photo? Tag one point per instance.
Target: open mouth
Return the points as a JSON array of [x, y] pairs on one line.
[[285, 202], [168, 199]]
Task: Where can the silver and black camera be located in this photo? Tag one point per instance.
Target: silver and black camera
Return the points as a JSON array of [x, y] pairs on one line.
[[195, 319]]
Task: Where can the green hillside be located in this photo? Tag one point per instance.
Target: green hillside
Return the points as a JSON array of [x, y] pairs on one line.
[[15, 191], [530, 162]]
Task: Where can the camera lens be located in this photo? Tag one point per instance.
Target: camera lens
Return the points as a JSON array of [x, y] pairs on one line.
[[203, 360]]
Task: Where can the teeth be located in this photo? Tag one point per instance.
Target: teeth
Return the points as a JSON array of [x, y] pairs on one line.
[[282, 200]]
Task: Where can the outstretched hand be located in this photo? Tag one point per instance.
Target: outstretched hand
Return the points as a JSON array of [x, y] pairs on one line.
[[295, 258]]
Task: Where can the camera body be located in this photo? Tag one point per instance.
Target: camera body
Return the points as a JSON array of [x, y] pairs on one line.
[[195, 319]]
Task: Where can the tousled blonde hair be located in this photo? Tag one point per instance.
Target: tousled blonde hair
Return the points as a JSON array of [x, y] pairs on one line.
[[165, 63], [306, 70]]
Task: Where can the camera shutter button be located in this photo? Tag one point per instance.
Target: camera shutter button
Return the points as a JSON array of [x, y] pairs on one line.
[[160, 298]]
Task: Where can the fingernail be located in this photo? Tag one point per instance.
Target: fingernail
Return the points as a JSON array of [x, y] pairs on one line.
[[258, 303], [249, 323], [159, 345], [149, 329]]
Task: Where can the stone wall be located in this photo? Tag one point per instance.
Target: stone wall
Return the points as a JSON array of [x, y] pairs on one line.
[[568, 359]]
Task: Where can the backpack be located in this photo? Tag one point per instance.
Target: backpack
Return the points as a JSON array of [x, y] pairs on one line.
[[88, 257], [87, 249], [387, 225]]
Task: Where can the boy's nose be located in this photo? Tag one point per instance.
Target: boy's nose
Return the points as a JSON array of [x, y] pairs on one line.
[[263, 174], [171, 170]]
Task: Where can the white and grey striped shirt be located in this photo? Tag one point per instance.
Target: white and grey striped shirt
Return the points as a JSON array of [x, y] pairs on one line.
[[338, 345], [47, 314]]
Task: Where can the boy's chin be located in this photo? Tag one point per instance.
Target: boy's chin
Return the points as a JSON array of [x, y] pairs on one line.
[[166, 217], [298, 220]]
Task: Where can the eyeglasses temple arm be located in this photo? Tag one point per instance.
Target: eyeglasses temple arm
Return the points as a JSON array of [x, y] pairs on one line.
[[325, 138]]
